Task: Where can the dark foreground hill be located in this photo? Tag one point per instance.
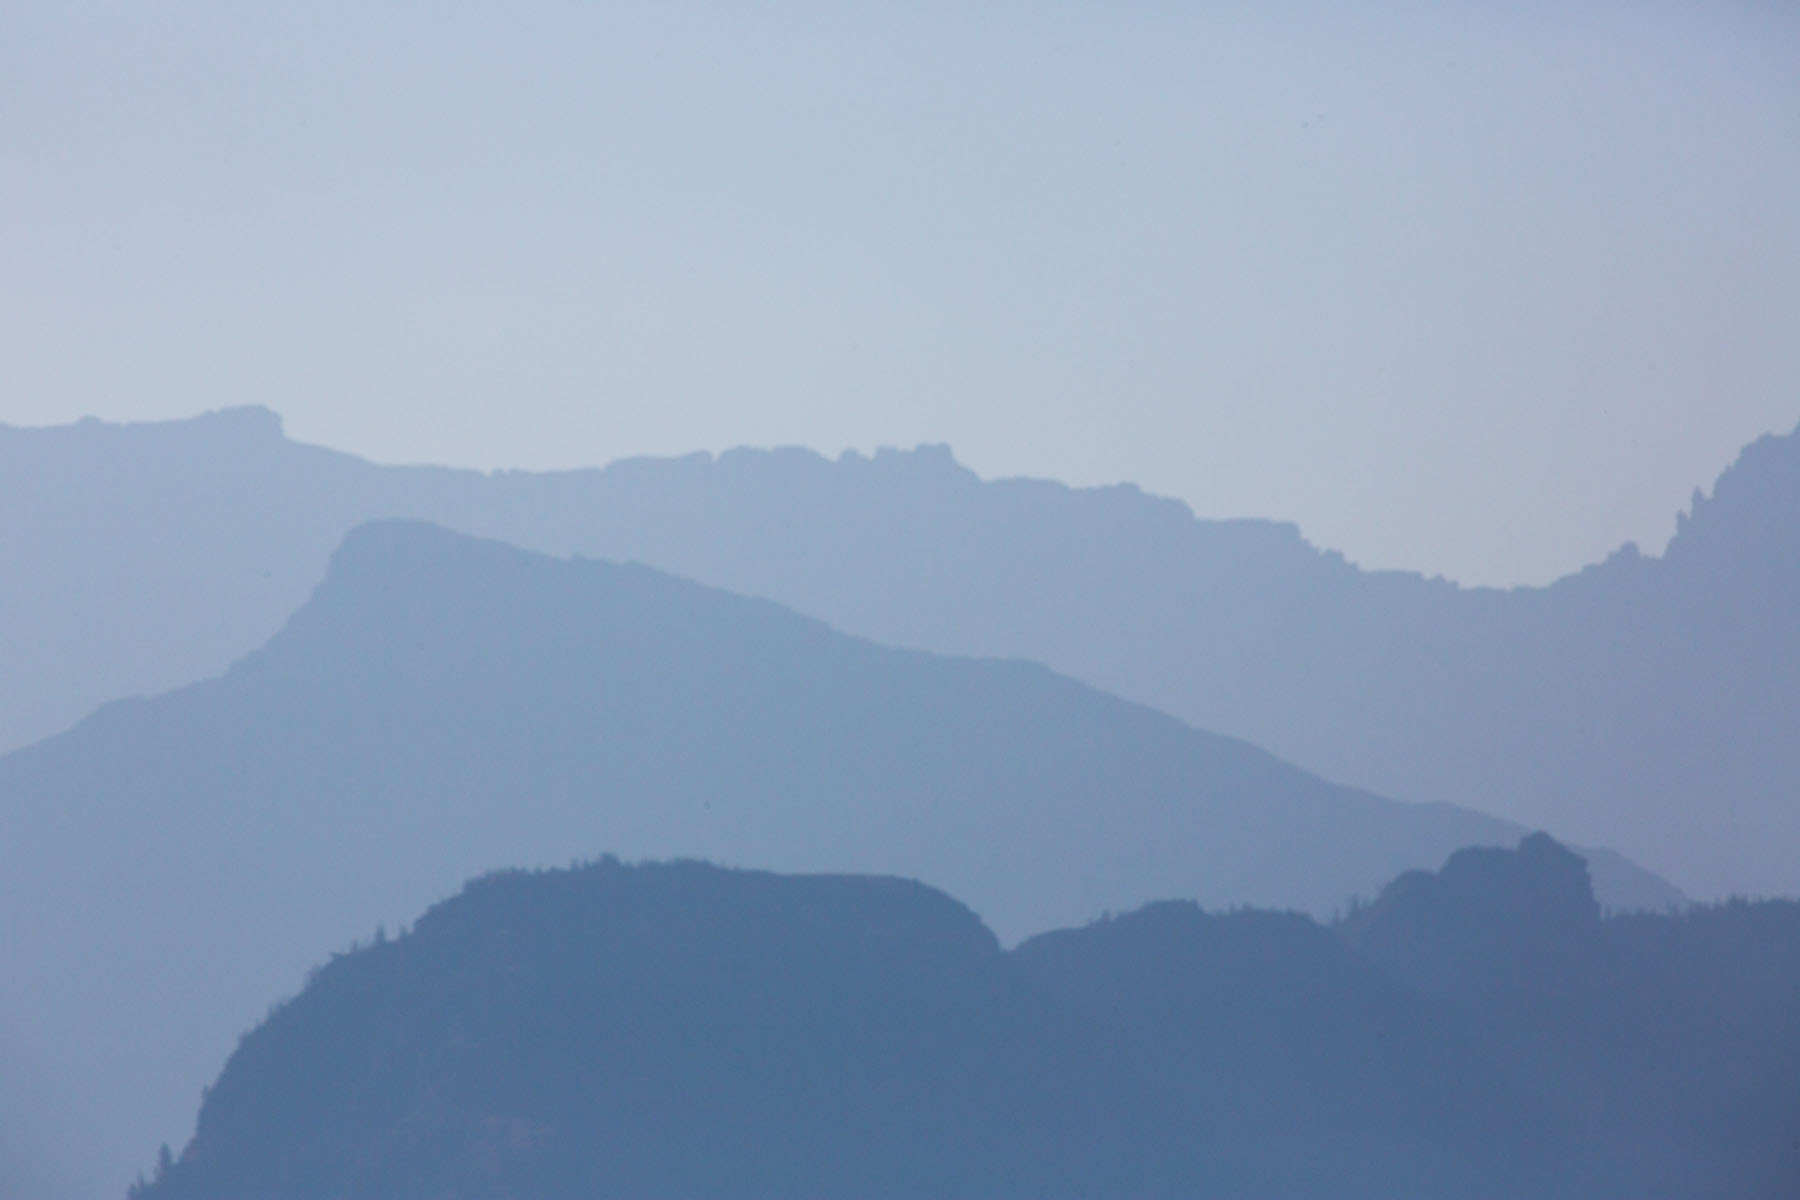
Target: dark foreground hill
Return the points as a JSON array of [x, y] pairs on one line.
[[688, 1031], [444, 705], [1643, 704]]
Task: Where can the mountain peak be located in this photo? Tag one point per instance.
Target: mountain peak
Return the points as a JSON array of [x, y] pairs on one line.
[[1540, 884], [1540, 878], [928, 460], [1753, 505], [397, 544], [244, 420], [250, 422], [860, 909], [1494, 926]]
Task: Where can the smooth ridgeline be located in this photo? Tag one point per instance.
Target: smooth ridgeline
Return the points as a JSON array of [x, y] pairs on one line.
[[683, 1030]]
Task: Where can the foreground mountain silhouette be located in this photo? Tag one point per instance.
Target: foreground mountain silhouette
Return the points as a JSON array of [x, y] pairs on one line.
[[683, 1030], [1644, 703], [443, 705]]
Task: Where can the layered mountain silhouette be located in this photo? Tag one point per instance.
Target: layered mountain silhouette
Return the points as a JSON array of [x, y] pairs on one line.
[[444, 704], [1644, 703], [683, 1030], [1665, 1044]]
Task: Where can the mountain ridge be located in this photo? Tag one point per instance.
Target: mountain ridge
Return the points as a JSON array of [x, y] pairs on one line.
[[443, 704], [1635, 703], [685, 1029]]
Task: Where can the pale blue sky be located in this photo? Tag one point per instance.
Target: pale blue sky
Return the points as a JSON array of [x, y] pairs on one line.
[[1479, 289]]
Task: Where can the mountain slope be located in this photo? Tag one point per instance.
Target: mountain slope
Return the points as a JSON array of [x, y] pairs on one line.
[[687, 1031], [443, 705], [1642, 703], [669, 1030], [1664, 1042], [683, 1030]]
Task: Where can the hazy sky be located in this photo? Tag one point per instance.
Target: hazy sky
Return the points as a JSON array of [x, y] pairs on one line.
[[1480, 289]]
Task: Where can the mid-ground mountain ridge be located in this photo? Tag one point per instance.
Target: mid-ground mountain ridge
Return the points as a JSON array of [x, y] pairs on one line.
[[1643, 703], [683, 1030], [444, 704]]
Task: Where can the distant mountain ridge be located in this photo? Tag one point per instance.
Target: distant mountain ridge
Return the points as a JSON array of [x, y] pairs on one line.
[[1641, 703], [444, 704], [682, 1030]]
